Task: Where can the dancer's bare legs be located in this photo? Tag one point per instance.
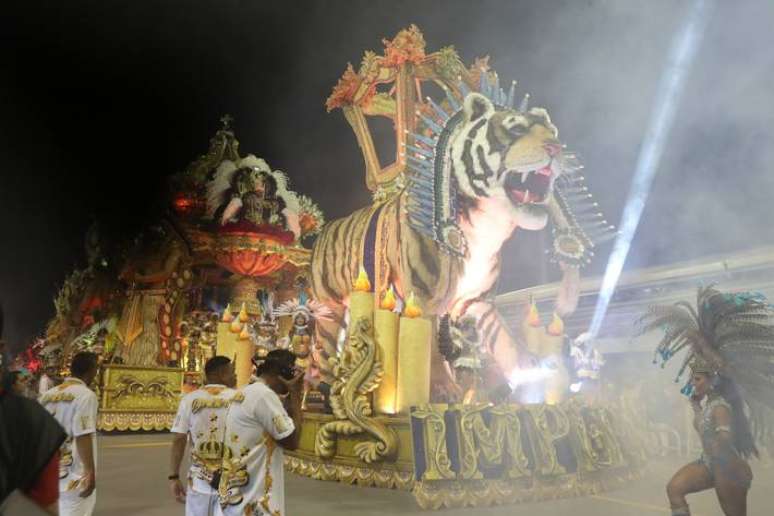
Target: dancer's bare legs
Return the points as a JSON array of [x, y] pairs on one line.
[[731, 486], [691, 478]]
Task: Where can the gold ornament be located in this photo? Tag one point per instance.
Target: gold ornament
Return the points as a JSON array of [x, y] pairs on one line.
[[358, 372]]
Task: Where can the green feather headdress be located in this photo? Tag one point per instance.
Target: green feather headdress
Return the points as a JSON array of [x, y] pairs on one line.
[[728, 333]]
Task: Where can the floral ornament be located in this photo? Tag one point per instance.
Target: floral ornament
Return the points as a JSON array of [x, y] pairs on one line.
[[310, 216]]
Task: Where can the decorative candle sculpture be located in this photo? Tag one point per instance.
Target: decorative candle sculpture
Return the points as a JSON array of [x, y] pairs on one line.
[[533, 330], [386, 323], [414, 342], [243, 361], [545, 343], [227, 340]]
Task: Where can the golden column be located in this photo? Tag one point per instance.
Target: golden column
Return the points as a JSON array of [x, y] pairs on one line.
[[559, 383], [545, 343], [235, 343], [245, 350], [414, 342], [386, 323]]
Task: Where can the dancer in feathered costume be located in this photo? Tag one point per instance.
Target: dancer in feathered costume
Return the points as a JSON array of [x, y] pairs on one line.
[[250, 192], [729, 340], [305, 313]]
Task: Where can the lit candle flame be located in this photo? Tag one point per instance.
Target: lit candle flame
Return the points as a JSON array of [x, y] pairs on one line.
[[244, 335], [227, 315], [533, 318], [388, 301], [243, 317], [362, 284], [412, 310], [556, 328]]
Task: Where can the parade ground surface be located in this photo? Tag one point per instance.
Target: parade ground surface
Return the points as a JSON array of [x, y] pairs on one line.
[[133, 471]]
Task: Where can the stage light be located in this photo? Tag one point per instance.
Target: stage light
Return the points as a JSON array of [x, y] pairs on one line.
[[681, 55], [519, 377], [575, 387]]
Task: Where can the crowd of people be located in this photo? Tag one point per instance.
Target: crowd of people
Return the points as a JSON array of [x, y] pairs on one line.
[[235, 439]]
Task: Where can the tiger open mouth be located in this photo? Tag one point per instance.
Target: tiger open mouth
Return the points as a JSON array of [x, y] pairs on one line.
[[530, 187]]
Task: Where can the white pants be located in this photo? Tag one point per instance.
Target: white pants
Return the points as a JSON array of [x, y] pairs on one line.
[[70, 504], [199, 504]]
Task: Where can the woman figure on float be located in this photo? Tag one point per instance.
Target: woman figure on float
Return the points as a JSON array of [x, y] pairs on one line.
[[730, 341]]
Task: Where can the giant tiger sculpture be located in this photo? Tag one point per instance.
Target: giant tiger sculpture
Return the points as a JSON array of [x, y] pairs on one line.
[[476, 168]]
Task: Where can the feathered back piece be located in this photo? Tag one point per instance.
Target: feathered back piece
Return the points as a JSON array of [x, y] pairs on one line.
[[728, 333], [266, 299], [221, 183]]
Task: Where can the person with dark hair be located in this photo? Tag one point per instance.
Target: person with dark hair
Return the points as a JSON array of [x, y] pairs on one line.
[[74, 405], [252, 480], [16, 381], [201, 419], [730, 344], [29, 452]]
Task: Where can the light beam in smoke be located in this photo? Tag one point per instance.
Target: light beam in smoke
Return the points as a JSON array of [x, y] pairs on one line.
[[681, 55]]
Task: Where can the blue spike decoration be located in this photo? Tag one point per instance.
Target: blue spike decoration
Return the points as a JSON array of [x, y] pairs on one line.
[[524, 103], [421, 222], [483, 85], [443, 115], [425, 166], [437, 129], [420, 150], [424, 139], [452, 101], [464, 90], [422, 205], [431, 207], [424, 191]]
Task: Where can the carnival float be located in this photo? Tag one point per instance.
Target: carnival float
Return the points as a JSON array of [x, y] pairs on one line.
[[413, 379], [203, 281], [429, 389]]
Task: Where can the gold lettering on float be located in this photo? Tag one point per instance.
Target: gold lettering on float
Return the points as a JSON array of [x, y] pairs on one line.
[[549, 424], [495, 444], [438, 465], [592, 437]]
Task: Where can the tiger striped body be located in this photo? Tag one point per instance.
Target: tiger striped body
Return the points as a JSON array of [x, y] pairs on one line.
[[339, 253], [502, 166]]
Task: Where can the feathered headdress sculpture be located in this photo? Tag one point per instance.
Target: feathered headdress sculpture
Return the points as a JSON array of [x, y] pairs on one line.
[[727, 333], [311, 310]]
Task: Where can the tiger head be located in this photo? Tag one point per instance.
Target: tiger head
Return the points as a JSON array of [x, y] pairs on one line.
[[509, 155]]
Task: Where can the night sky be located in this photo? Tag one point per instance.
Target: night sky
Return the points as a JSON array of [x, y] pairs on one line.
[[101, 101]]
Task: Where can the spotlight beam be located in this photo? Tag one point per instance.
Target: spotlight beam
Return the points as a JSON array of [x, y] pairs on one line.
[[681, 55]]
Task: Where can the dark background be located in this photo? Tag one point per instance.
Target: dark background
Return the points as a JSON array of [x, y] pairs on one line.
[[101, 101]]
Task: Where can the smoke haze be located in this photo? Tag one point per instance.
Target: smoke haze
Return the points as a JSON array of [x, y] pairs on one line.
[[101, 103]]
